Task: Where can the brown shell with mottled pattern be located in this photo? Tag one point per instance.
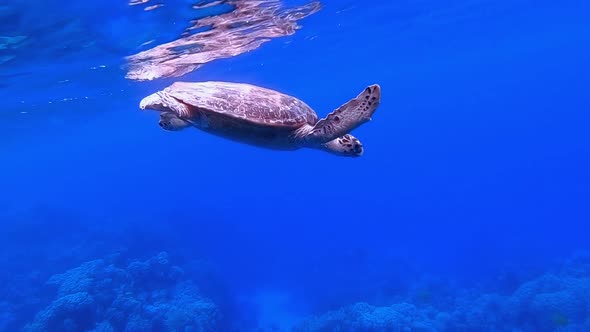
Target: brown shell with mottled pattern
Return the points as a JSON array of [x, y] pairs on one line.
[[252, 104]]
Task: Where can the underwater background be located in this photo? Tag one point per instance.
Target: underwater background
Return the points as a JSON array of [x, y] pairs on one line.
[[468, 211]]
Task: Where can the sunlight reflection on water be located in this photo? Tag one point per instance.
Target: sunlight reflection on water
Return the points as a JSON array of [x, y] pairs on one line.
[[222, 32]]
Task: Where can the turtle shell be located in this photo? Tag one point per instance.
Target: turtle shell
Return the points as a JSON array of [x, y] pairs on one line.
[[252, 104]]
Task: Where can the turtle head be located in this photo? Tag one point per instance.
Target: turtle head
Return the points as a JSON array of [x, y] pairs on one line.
[[171, 122], [164, 102]]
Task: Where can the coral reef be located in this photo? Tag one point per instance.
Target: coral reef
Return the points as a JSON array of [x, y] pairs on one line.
[[119, 293], [102, 295], [364, 317], [557, 301]]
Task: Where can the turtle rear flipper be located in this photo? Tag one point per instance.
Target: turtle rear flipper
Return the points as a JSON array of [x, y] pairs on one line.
[[346, 145], [347, 117]]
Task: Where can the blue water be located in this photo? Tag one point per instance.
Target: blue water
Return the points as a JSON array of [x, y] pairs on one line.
[[468, 211]]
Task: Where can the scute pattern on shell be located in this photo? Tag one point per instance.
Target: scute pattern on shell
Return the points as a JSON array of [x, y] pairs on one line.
[[257, 105]]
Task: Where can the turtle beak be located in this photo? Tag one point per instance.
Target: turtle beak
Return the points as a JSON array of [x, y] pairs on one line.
[[162, 102], [151, 102]]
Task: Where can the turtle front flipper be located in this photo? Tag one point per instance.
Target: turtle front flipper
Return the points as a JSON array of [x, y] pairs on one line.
[[171, 122], [347, 117]]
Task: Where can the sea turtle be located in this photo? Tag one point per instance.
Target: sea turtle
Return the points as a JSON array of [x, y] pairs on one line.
[[262, 117]]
